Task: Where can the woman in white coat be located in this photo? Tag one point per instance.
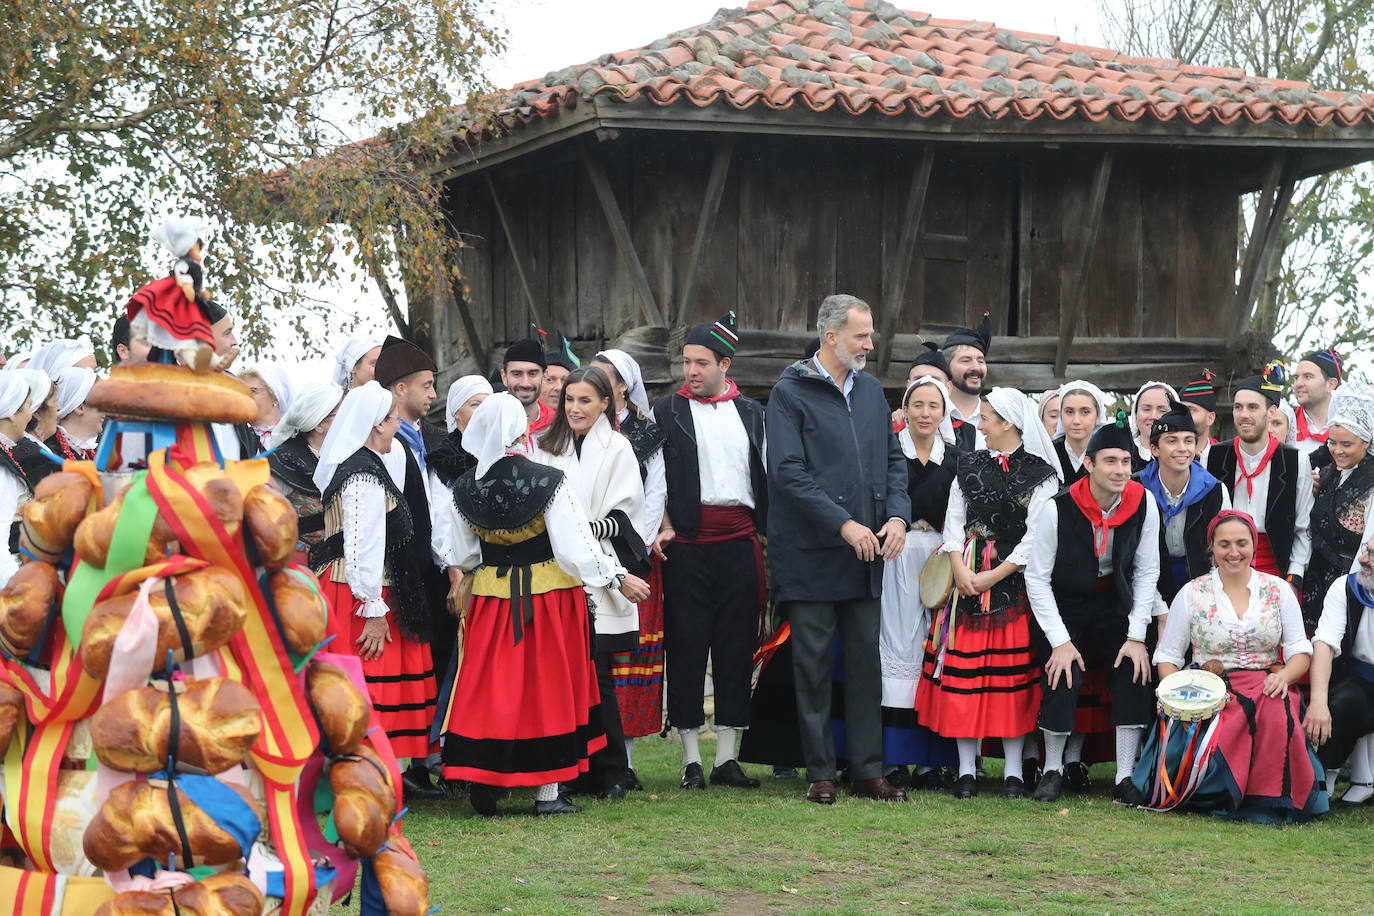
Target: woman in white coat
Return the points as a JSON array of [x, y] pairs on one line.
[[600, 465]]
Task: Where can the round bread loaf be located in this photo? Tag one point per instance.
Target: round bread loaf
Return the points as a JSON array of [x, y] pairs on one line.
[[158, 391]]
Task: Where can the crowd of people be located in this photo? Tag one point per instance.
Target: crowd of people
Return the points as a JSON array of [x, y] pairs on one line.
[[879, 597]]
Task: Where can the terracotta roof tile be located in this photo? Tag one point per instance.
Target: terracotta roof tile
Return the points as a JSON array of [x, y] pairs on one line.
[[857, 55]]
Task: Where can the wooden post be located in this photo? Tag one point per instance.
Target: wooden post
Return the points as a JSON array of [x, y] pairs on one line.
[[1264, 232], [1072, 304], [453, 279], [894, 284], [620, 232], [514, 252], [710, 207]]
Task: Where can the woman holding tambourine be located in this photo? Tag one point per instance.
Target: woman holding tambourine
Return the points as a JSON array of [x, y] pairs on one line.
[[1255, 764]]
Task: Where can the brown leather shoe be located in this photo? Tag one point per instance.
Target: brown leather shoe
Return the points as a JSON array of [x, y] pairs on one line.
[[877, 788], [822, 792]]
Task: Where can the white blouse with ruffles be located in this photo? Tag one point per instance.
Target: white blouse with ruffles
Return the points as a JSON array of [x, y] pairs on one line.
[[1202, 616]]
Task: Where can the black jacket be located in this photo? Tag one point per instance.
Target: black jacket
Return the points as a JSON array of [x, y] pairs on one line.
[[1281, 503], [673, 415], [829, 461]]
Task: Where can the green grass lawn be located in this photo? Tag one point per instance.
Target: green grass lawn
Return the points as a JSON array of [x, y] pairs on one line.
[[734, 851]]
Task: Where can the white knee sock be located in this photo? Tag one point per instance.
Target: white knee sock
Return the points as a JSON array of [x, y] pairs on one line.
[[968, 755], [691, 747], [630, 753], [1360, 771], [725, 745], [1073, 750], [1054, 751], [1013, 748], [546, 793], [1127, 749]]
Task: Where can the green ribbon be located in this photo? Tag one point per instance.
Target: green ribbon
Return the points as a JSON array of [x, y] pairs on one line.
[[128, 547]]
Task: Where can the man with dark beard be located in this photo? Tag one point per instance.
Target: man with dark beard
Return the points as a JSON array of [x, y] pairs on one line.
[[522, 373], [966, 352]]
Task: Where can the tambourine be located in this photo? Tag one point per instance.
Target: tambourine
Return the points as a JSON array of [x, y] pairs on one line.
[[1191, 695], [937, 581]]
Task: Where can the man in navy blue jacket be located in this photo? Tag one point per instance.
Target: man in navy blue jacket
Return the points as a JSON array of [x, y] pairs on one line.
[[838, 509]]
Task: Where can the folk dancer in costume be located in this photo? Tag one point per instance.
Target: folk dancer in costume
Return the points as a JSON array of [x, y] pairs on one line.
[[1340, 716], [1283, 424], [175, 314], [64, 353], [708, 545], [16, 409], [981, 678], [236, 441], [30, 449], [966, 355], [1151, 401], [449, 460], [1315, 379], [930, 361], [1082, 412], [1200, 397], [1095, 614], [1271, 483], [408, 372], [294, 454], [559, 361], [78, 423], [123, 348], [355, 362], [1188, 498], [837, 510], [374, 568], [603, 473], [524, 705], [272, 391], [927, 441], [1047, 406], [522, 374], [638, 675], [1343, 508], [1239, 622]]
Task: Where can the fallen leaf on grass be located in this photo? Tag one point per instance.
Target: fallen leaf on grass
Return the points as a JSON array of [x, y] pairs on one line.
[[610, 896], [1063, 812], [654, 797], [521, 881], [434, 842], [790, 890]]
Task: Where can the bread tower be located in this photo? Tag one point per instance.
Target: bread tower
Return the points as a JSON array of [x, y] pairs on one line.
[[175, 739]]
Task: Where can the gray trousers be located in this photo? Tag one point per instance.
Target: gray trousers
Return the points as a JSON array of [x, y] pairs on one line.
[[814, 626]]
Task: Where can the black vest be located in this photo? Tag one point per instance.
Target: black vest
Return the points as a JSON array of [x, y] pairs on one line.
[[928, 486], [1281, 502], [1074, 578], [1196, 518], [673, 414], [966, 436], [1071, 476], [1354, 613]]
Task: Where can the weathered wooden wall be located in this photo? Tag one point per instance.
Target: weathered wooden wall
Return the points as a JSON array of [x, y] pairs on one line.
[[801, 218]]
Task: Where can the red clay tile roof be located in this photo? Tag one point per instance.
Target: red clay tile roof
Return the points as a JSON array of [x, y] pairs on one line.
[[867, 55]]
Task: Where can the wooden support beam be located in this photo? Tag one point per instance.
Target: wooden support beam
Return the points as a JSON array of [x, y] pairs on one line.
[[1072, 305], [899, 269], [706, 223], [516, 258], [453, 278], [1264, 233], [620, 232]]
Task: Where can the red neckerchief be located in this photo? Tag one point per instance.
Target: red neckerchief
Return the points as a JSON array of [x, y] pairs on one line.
[[1305, 431], [1264, 463], [545, 420], [729, 394], [71, 450], [1083, 499], [1002, 462]]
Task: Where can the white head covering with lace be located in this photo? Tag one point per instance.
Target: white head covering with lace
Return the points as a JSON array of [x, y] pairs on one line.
[[495, 426]]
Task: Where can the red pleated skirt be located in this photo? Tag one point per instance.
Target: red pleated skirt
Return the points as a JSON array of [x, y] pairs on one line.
[[638, 675], [527, 713], [988, 687], [400, 682]]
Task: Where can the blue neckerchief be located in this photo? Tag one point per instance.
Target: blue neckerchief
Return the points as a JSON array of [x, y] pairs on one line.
[[1200, 483], [413, 438], [1359, 590]]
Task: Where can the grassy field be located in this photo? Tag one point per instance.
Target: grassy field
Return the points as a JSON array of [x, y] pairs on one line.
[[768, 851]]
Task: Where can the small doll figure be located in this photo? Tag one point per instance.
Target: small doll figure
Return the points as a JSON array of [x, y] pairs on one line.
[[173, 314]]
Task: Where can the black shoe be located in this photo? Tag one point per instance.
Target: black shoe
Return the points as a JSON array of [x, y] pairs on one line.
[[966, 786], [483, 798], [1076, 776], [1030, 770], [612, 792], [930, 779], [693, 777], [1050, 786], [1126, 793], [785, 772], [416, 783], [978, 770], [633, 783], [1013, 787], [730, 773], [559, 805], [899, 778]]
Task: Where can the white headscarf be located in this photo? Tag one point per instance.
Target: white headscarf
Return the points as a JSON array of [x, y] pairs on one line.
[[1287, 410], [40, 386], [362, 408], [1144, 447], [1352, 408], [946, 428], [460, 392], [308, 410], [14, 393], [277, 382], [346, 359], [1087, 388], [628, 370], [1020, 411], [494, 427], [177, 235], [73, 384], [56, 355]]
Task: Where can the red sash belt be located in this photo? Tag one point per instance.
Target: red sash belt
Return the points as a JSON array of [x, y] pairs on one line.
[[721, 524], [1264, 557]]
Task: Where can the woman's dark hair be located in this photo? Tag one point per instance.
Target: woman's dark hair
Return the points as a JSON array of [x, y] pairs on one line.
[[560, 435]]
